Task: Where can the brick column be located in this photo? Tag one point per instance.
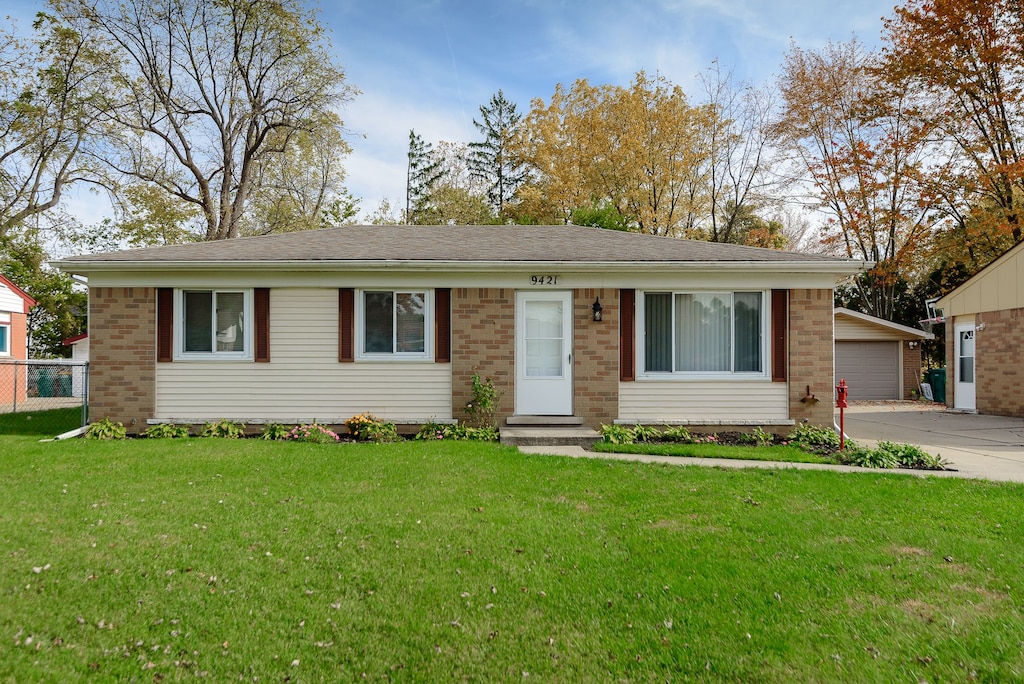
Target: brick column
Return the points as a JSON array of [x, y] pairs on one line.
[[122, 355], [998, 372], [811, 361], [483, 341], [596, 356]]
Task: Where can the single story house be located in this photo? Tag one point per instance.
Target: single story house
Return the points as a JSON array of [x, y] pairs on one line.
[[878, 359], [570, 323], [984, 337], [14, 307]]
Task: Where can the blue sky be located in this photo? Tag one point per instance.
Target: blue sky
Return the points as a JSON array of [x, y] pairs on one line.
[[430, 64]]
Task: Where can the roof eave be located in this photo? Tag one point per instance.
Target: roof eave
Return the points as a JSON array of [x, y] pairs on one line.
[[840, 267]]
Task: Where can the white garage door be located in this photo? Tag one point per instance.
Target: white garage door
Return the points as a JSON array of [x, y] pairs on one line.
[[871, 369]]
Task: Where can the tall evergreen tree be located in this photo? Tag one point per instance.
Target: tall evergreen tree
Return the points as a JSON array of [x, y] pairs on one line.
[[491, 160], [423, 174]]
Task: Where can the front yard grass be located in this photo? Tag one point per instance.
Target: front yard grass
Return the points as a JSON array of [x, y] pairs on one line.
[[161, 560], [782, 454]]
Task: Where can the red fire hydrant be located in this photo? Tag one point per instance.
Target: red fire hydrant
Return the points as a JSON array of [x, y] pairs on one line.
[[841, 391]]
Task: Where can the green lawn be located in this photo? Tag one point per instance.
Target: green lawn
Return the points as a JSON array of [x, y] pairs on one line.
[[779, 453], [155, 560], [42, 423]]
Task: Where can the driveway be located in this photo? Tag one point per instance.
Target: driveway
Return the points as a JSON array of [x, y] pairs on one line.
[[989, 447]]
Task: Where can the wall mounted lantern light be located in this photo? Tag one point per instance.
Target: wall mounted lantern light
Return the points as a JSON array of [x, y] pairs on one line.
[[913, 344], [597, 309]]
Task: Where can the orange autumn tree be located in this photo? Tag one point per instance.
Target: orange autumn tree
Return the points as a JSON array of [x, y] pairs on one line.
[[862, 153], [962, 62], [640, 151]]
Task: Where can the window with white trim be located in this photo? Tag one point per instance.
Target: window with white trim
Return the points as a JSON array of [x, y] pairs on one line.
[[393, 324], [713, 334], [214, 323], [5, 339]]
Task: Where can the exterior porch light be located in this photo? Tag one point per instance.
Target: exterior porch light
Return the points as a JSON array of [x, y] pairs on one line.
[[597, 309]]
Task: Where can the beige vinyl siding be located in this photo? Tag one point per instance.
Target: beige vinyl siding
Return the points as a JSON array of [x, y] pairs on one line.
[[846, 329], [696, 402], [303, 379], [998, 287]]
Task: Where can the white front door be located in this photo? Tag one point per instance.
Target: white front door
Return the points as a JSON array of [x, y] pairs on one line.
[[544, 353], [963, 390]]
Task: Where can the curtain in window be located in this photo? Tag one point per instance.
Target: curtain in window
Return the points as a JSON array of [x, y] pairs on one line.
[[703, 333], [198, 321], [230, 323], [658, 332], [5, 339], [378, 316], [747, 307], [410, 311]]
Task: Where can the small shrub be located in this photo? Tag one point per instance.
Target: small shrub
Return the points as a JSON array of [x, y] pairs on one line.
[[868, 458], [910, 456], [814, 439], [275, 431], [617, 434], [758, 437], [106, 429], [482, 408], [464, 433], [313, 433], [368, 428], [677, 434], [166, 431], [223, 428], [643, 433], [432, 431]]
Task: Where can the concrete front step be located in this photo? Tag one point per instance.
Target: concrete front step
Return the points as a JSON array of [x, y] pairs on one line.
[[543, 421], [549, 436]]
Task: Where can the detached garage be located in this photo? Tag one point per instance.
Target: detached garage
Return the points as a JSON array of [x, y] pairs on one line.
[[878, 359]]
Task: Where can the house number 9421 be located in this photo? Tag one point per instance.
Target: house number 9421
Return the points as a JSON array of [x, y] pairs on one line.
[[544, 280]]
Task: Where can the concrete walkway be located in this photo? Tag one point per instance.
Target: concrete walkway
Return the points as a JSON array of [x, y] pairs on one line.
[[978, 447]]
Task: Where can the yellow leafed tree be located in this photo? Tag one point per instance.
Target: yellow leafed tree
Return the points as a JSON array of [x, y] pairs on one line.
[[641, 149]]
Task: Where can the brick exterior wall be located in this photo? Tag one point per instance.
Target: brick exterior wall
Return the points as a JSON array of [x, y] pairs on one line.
[[18, 348], [911, 368], [999, 371], [122, 367], [483, 341], [950, 362], [811, 356], [596, 356]]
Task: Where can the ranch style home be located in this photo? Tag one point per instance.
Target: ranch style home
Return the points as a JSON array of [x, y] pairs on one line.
[[570, 323]]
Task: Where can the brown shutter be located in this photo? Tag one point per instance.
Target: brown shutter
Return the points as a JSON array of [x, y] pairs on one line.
[[346, 325], [627, 335], [261, 304], [780, 315], [442, 325], [164, 324]]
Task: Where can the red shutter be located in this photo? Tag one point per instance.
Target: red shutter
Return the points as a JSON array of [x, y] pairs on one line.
[[346, 325], [627, 335], [780, 316], [261, 304], [443, 325], [164, 324]]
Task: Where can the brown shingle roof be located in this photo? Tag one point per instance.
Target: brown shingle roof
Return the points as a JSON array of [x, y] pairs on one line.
[[574, 244]]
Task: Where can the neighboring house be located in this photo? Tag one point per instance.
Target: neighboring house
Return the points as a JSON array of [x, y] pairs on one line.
[[985, 337], [878, 359], [14, 306], [79, 355], [395, 320]]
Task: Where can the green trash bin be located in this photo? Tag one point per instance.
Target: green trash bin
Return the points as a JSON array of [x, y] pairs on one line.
[[937, 379], [44, 382], [62, 384]]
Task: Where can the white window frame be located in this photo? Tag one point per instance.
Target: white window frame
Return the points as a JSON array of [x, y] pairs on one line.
[[179, 327], [641, 349], [428, 326]]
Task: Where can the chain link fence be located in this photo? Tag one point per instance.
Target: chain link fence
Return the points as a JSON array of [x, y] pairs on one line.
[[43, 397]]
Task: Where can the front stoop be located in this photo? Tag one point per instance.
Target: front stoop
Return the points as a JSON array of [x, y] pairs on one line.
[[553, 435]]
